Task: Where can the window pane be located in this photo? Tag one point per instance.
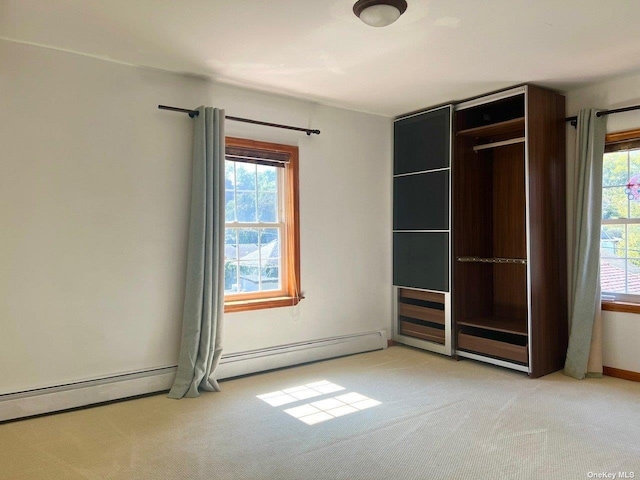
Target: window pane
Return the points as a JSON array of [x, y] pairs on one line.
[[614, 169], [270, 240], [247, 243], [633, 277], [612, 241], [615, 203], [633, 245], [230, 199], [230, 206], [267, 207], [230, 244], [620, 259], [612, 275], [270, 258], [633, 193], [245, 176], [249, 276], [634, 161], [246, 206], [229, 174], [230, 277], [267, 178], [612, 258], [270, 276]]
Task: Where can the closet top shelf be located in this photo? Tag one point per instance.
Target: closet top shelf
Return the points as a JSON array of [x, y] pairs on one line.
[[513, 126]]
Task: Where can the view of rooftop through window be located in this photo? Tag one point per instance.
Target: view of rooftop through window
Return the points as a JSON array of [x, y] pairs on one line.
[[620, 235], [254, 228]]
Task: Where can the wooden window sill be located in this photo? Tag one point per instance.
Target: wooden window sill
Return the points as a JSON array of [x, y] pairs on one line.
[[621, 307], [261, 303]]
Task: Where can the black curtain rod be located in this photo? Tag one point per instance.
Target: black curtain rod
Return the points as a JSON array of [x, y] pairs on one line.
[[195, 113], [574, 120]]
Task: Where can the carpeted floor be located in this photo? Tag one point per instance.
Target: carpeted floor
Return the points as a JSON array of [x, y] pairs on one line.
[[393, 414]]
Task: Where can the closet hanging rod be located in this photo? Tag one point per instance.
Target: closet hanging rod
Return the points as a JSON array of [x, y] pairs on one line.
[[195, 113], [520, 261], [574, 119], [499, 144]]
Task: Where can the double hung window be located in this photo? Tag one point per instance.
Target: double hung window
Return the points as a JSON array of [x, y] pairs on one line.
[[620, 234], [261, 225]]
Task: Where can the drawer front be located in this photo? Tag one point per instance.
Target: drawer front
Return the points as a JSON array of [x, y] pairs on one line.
[[422, 331], [421, 295], [421, 313], [494, 348]]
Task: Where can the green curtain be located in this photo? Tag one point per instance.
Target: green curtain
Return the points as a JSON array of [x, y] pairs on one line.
[[585, 308], [201, 344]]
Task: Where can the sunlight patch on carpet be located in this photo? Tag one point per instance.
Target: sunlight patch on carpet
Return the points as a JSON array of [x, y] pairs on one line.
[[320, 410]]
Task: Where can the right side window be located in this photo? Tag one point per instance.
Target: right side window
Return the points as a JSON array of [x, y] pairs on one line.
[[620, 234]]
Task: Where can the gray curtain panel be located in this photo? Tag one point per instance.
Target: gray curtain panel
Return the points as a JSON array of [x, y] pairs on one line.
[[591, 131], [201, 344]]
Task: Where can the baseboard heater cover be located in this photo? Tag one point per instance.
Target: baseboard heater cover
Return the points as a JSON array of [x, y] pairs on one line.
[[79, 394]]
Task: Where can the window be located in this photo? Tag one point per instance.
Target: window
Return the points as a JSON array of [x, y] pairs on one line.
[[262, 268], [620, 234]]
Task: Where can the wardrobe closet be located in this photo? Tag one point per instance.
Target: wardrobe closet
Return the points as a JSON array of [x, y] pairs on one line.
[[502, 295]]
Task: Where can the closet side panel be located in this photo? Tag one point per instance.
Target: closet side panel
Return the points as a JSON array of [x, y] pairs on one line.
[[547, 230]]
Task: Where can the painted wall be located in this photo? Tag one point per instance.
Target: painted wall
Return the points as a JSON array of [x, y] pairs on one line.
[[621, 331], [94, 202]]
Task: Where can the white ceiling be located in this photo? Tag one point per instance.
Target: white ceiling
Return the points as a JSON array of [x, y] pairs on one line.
[[438, 51]]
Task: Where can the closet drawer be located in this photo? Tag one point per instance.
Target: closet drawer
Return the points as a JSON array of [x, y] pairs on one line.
[[494, 348], [422, 331], [421, 313], [420, 295]]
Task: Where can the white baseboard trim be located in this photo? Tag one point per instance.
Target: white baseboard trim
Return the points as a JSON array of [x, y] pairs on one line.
[[243, 363], [80, 394]]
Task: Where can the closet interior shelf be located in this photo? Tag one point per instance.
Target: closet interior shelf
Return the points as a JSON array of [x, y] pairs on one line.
[[514, 126]]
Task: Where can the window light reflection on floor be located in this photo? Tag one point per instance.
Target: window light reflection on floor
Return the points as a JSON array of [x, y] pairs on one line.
[[320, 410], [294, 394]]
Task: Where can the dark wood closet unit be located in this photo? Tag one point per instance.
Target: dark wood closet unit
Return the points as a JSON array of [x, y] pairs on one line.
[[509, 247], [479, 241]]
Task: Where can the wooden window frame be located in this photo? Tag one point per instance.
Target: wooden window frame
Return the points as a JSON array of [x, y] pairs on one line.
[[290, 294], [630, 137]]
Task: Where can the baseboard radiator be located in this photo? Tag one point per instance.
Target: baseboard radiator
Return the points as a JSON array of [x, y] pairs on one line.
[[63, 397]]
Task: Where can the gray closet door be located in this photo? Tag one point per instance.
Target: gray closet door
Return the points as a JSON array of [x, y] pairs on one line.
[[421, 198]]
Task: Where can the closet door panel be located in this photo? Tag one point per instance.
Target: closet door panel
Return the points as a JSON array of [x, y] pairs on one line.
[[421, 202], [421, 260], [421, 142]]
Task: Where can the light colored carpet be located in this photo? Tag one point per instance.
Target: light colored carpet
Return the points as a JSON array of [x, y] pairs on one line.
[[437, 418]]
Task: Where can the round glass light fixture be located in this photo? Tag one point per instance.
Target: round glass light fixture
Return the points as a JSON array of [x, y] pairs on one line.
[[379, 13]]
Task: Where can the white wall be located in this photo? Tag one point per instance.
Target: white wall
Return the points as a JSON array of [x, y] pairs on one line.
[[94, 202], [621, 330]]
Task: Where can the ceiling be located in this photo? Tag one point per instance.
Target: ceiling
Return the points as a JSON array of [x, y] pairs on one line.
[[438, 51]]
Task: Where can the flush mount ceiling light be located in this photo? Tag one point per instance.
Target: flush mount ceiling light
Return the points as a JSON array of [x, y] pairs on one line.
[[379, 13]]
